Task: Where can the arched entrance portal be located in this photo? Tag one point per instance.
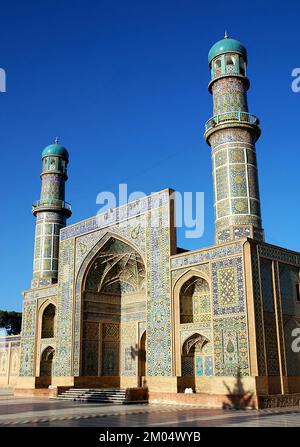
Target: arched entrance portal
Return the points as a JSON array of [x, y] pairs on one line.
[[46, 365], [193, 317], [192, 355], [113, 301]]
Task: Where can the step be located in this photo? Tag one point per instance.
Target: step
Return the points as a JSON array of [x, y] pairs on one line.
[[100, 395], [96, 392]]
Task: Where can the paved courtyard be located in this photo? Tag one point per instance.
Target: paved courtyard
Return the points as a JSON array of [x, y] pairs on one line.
[[34, 412]]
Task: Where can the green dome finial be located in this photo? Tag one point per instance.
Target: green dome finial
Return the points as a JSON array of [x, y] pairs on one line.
[[226, 45], [56, 149]]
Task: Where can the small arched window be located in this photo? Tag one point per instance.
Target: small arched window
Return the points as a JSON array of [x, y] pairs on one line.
[[230, 60], [217, 67], [230, 63], [48, 322]]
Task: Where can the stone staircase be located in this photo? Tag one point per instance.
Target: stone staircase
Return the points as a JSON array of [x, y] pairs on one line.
[[97, 395]]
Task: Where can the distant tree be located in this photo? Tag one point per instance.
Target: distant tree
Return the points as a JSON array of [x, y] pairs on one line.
[[11, 321]]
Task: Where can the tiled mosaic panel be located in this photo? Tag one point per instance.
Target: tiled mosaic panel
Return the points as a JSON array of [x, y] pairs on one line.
[[222, 183], [118, 215], [232, 136], [28, 340], [28, 320], [198, 257], [52, 187], [45, 292], [228, 286], [269, 317], [229, 94], [130, 349], [62, 358], [259, 324], [159, 332], [27, 357], [238, 182], [231, 346]]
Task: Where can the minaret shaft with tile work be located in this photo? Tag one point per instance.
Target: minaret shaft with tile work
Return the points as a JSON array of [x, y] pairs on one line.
[[232, 133], [51, 213]]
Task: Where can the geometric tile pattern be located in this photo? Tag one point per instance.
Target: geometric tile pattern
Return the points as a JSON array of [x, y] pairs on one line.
[[259, 325], [62, 358], [159, 333], [28, 338], [117, 215], [229, 94], [234, 161], [228, 286], [205, 255], [231, 346]]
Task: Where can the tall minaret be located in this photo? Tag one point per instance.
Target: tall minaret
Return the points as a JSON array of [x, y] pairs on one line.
[[232, 133], [51, 213]]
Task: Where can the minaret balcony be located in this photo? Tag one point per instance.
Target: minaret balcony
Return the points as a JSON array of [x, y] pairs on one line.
[[52, 205], [232, 119]]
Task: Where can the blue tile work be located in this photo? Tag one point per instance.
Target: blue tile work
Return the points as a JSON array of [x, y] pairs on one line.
[[231, 346], [159, 331], [28, 338], [154, 240], [117, 215], [63, 355], [208, 366], [94, 242], [272, 354], [198, 257], [228, 286], [203, 366], [259, 324], [278, 253], [45, 292], [289, 277]]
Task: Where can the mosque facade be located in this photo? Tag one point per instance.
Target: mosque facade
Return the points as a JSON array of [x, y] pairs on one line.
[[114, 303]]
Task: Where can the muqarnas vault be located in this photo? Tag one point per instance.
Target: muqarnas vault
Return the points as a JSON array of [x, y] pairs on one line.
[[114, 303]]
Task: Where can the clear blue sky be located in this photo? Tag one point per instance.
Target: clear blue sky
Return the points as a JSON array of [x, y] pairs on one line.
[[124, 86]]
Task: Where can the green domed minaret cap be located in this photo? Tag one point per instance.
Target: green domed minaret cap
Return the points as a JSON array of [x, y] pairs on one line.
[[55, 149], [226, 45]]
